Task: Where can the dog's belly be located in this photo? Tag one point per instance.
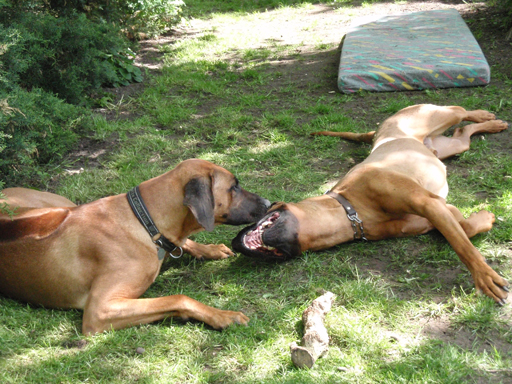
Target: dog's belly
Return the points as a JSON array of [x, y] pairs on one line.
[[411, 158], [438, 187]]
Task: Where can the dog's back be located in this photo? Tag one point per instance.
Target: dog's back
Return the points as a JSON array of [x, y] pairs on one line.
[[30, 198]]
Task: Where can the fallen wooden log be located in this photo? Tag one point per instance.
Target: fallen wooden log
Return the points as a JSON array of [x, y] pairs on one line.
[[315, 342]]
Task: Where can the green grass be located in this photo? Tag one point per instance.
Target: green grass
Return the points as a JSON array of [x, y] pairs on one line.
[[405, 311]]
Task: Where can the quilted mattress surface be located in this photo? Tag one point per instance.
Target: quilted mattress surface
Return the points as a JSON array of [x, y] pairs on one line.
[[412, 51]]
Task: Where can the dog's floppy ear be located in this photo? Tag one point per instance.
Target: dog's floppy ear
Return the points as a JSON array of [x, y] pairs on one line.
[[199, 198]]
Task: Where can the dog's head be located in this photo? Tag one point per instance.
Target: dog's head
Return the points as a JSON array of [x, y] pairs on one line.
[[275, 236], [288, 229], [214, 196]]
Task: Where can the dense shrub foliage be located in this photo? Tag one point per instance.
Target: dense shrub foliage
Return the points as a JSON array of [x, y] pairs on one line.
[[48, 66], [506, 7], [53, 54], [150, 17], [62, 55], [37, 128]]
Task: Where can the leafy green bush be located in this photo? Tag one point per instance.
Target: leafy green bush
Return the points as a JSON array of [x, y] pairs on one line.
[[53, 54], [152, 17], [504, 7], [4, 208], [68, 56], [126, 72], [35, 128]]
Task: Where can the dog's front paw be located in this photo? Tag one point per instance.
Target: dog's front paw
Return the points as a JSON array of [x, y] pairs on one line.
[[488, 282], [222, 319], [217, 251], [209, 251]]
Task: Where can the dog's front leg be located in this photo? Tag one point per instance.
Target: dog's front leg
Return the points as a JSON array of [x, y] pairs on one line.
[[102, 315], [209, 251], [485, 278], [401, 195]]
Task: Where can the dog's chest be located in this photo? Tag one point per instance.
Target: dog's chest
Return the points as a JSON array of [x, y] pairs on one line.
[[432, 176]]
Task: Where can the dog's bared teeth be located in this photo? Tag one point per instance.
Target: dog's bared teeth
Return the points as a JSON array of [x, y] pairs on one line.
[[253, 239]]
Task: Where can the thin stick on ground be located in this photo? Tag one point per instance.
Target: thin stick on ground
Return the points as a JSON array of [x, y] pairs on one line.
[[315, 342]]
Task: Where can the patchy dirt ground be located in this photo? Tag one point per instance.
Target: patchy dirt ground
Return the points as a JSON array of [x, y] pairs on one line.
[[329, 25]]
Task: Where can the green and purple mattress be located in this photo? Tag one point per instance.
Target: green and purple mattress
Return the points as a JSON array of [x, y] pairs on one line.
[[413, 51]]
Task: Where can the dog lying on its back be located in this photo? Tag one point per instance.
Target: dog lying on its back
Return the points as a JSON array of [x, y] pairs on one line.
[[399, 190]]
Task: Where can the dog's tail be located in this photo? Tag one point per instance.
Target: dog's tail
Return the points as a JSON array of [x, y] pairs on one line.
[[359, 137]]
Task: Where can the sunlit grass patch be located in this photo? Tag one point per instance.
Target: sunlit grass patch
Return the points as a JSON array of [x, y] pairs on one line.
[[406, 310]]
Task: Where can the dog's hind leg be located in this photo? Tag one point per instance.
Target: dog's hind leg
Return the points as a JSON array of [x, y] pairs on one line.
[[413, 225], [460, 141], [478, 116], [117, 313], [476, 223]]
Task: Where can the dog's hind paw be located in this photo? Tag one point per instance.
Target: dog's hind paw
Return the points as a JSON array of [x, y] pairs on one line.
[[495, 126], [479, 116]]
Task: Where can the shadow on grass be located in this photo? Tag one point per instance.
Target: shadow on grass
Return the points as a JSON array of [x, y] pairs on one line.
[[201, 8], [394, 278], [274, 296]]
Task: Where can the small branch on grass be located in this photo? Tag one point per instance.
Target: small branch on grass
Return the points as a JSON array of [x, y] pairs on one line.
[[315, 342]]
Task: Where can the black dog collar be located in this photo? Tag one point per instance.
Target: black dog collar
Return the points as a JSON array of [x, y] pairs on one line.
[[142, 213], [351, 214]]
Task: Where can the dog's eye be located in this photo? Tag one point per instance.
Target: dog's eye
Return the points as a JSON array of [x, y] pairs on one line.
[[235, 188]]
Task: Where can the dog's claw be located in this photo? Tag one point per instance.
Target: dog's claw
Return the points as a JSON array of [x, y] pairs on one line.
[[505, 288], [239, 322]]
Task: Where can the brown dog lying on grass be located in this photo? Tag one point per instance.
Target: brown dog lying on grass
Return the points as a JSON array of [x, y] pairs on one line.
[[102, 256], [399, 190]]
